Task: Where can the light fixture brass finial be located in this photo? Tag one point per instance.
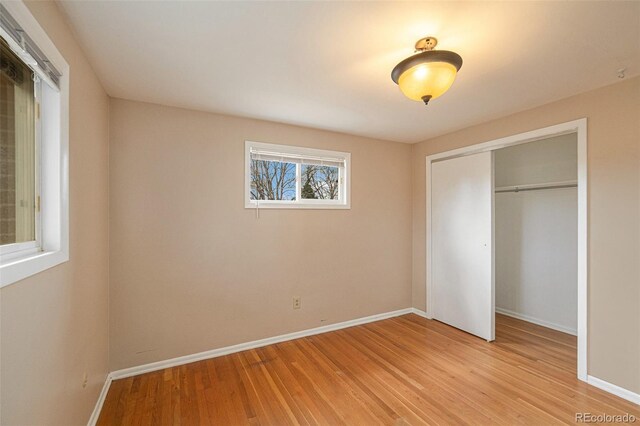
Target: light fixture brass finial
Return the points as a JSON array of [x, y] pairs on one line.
[[426, 44]]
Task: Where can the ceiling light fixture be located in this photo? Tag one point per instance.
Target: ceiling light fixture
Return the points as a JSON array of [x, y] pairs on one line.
[[427, 74]]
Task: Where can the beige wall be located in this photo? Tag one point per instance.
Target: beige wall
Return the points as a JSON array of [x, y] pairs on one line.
[[54, 325], [613, 115], [193, 270]]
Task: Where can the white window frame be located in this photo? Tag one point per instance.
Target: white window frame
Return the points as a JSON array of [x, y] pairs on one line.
[[51, 247], [344, 201]]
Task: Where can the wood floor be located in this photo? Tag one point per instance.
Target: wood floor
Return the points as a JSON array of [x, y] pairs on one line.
[[404, 370]]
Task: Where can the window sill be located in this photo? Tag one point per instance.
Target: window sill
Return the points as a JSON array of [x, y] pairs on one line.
[[316, 206], [16, 269]]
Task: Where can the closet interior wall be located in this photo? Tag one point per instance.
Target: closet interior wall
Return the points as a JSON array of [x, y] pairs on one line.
[[536, 232]]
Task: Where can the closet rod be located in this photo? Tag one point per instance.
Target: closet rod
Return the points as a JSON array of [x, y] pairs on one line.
[[535, 187]]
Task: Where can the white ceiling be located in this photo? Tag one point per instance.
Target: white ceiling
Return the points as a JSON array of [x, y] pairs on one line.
[[328, 64]]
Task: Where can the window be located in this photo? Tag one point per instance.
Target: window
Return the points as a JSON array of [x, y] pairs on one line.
[[282, 176], [33, 147], [19, 218]]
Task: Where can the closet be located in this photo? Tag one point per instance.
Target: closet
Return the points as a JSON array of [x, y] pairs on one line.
[[502, 230], [535, 208], [506, 234]]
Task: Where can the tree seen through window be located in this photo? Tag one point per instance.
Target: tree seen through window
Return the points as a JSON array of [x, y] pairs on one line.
[[273, 180], [320, 182]]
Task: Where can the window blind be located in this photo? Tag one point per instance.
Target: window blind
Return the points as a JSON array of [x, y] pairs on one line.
[[297, 158], [30, 53], [11, 66]]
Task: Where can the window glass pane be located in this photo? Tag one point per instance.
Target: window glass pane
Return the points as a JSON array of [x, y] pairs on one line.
[[273, 180], [320, 182], [17, 149]]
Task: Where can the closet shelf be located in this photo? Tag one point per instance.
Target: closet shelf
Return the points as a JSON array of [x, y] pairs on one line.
[[537, 186]]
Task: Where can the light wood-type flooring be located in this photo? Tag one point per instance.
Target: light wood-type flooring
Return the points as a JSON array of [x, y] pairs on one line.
[[399, 371]]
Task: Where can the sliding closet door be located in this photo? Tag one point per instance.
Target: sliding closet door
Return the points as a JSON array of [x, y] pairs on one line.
[[461, 243]]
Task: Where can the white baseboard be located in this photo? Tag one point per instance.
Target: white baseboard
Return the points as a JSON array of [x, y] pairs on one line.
[[419, 312], [160, 365], [614, 389], [103, 395], [537, 321]]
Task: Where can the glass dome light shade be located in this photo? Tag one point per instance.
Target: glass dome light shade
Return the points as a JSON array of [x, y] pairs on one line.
[[427, 75], [430, 79]]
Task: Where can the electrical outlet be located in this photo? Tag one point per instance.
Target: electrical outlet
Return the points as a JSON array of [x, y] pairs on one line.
[[296, 302], [85, 378]]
